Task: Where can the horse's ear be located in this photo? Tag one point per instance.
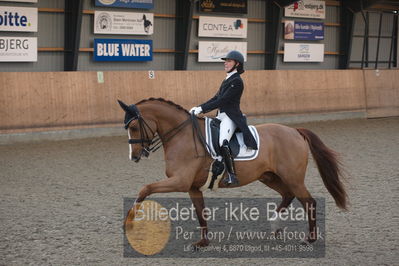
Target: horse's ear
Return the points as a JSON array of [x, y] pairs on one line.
[[123, 106]]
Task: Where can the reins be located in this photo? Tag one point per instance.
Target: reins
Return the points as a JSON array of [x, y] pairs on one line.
[[197, 130], [158, 141]]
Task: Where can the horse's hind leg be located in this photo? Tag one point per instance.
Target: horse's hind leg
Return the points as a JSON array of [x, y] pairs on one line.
[[274, 182], [309, 205]]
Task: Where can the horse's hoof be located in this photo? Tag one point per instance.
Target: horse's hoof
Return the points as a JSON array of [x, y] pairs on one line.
[[307, 241], [131, 214], [202, 243]]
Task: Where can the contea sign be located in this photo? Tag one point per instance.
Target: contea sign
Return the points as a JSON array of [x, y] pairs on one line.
[[18, 19], [122, 50], [222, 27]]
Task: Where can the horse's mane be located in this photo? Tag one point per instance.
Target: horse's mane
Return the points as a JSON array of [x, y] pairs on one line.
[[179, 107]]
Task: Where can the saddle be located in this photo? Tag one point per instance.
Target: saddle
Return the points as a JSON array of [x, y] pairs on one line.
[[236, 144], [215, 133], [238, 151]]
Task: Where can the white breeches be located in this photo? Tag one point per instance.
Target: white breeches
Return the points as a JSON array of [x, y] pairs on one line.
[[227, 128]]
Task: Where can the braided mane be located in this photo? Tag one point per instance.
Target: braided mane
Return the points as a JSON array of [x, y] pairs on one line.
[[179, 107]]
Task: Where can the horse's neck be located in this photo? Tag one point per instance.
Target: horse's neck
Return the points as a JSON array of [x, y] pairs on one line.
[[167, 117]]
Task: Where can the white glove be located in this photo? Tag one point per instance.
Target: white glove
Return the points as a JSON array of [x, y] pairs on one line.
[[196, 110]]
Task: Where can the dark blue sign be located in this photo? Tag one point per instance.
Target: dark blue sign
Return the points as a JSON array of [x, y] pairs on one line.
[[224, 6], [308, 31], [122, 50], [145, 4]]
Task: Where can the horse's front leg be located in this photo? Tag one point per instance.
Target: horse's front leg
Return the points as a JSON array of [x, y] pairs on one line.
[[198, 202], [172, 184]]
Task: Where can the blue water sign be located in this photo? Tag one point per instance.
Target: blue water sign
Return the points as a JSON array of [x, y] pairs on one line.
[[145, 4], [122, 50]]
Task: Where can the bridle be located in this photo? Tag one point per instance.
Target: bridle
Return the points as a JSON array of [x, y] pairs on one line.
[[147, 143]]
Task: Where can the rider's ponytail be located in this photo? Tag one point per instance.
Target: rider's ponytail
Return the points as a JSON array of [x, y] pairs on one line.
[[240, 68]]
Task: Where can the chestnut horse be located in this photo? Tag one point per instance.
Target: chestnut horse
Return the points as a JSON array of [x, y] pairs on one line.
[[281, 162]]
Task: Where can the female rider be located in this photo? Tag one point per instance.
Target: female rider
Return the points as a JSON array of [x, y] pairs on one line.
[[227, 101]]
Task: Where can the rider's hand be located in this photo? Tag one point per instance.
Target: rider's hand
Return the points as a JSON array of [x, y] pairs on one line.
[[196, 110]]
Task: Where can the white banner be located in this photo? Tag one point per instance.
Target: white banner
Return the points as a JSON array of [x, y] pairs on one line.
[[307, 9], [18, 49], [18, 18], [123, 23], [24, 1], [222, 27], [214, 51], [303, 52]]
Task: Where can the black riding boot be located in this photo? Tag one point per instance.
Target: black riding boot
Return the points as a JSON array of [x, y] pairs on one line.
[[228, 160]]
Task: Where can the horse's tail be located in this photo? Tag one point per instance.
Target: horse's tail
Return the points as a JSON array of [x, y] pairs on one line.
[[329, 166]]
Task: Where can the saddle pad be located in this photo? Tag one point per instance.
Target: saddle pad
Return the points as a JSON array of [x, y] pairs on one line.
[[243, 154]]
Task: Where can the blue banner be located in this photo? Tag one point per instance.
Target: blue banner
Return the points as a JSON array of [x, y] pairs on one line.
[[304, 31], [145, 4], [122, 50], [309, 31]]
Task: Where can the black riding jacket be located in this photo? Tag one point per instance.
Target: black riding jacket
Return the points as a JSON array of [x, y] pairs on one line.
[[227, 100]]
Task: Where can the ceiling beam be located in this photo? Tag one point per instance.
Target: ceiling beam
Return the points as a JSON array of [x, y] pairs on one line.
[[184, 20], [274, 12], [358, 5], [346, 34], [284, 3], [72, 29], [385, 7]]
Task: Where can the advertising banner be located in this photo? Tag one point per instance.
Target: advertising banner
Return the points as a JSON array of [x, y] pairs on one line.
[[122, 50], [18, 19], [224, 6], [145, 4], [214, 51], [22, 1], [303, 52], [123, 23], [307, 9], [222, 27], [304, 31], [18, 49]]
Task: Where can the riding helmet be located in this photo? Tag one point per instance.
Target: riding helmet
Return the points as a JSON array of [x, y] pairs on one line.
[[238, 57], [235, 55]]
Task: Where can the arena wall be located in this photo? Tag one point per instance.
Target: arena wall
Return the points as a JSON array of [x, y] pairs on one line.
[[382, 93], [42, 101]]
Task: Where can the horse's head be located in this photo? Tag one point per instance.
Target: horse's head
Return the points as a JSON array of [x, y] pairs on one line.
[[140, 132]]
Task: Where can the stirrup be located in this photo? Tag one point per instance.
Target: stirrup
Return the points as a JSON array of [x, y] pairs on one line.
[[231, 180]]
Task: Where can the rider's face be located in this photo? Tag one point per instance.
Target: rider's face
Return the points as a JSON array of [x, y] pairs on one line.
[[229, 64]]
